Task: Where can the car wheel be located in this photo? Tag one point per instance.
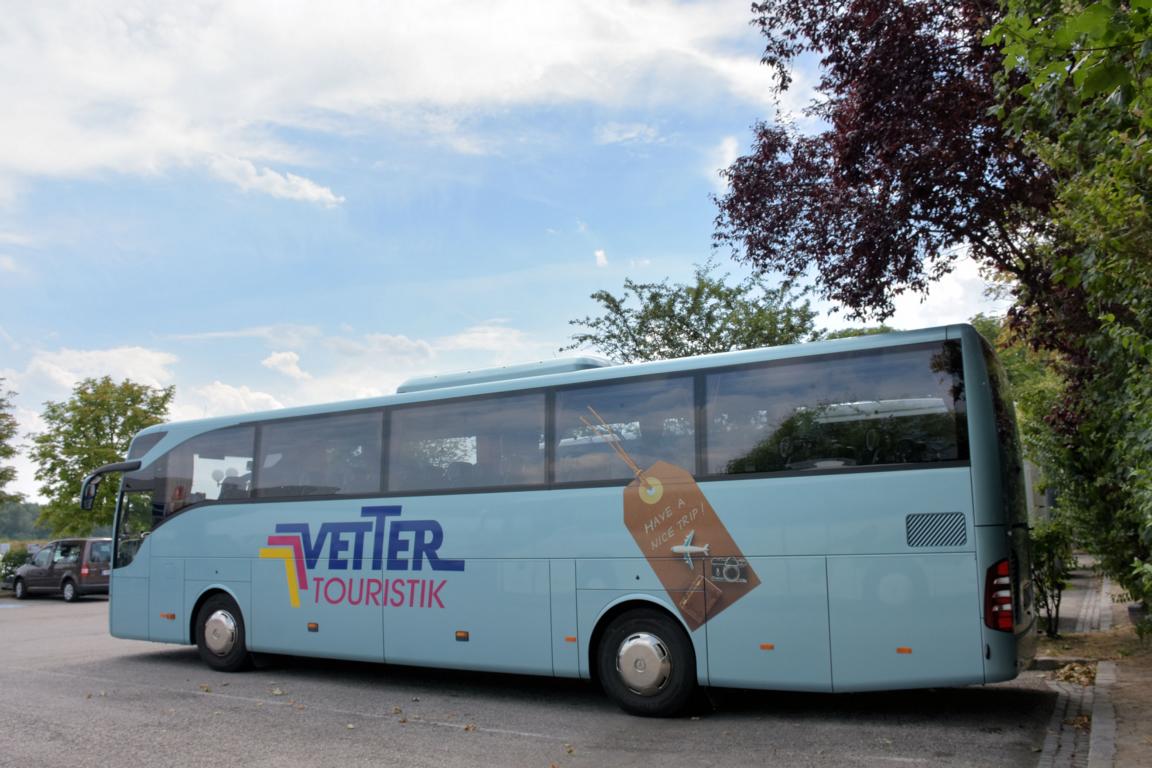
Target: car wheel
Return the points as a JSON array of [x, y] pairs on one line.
[[68, 590], [220, 634], [20, 590], [646, 664]]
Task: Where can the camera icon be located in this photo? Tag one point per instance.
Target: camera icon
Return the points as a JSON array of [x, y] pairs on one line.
[[730, 570]]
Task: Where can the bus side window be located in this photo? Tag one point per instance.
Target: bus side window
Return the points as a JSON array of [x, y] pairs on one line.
[[652, 419], [330, 455], [483, 443], [892, 406]]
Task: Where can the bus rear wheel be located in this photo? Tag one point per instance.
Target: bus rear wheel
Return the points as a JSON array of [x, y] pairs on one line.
[[220, 634], [646, 664]]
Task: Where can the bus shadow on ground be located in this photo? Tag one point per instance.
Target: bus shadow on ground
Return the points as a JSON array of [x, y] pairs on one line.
[[961, 708]]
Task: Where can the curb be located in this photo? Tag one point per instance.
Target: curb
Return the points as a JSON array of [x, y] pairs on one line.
[[1096, 615], [1068, 745], [1102, 742]]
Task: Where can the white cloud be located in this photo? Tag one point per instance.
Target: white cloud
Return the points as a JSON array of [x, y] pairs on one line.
[[601, 258], [25, 483], [374, 364], [954, 298], [627, 133], [15, 238], [8, 264], [721, 157], [288, 186], [490, 336], [287, 363], [218, 399], [6, 337], [125, 87], [285, 335], [341, 367], [65, 367], [51, 375], [383, 347]]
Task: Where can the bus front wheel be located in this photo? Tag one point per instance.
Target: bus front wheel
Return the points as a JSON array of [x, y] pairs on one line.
[[220, 634], [646, 664]]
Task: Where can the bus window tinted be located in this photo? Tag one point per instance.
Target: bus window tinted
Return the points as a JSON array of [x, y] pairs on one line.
[[216, 466], [652, 420], [321, 456], [210, 467], [891, 406], [497, 441]]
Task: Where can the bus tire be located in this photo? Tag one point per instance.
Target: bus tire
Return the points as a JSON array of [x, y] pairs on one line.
[[20, 589], [68, 591], [646, 664], [220, 634]]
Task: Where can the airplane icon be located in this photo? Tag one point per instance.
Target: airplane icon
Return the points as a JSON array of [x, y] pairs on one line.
[[688, 549]]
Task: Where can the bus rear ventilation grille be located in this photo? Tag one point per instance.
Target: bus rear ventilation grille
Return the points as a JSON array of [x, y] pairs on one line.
[[944, 529]]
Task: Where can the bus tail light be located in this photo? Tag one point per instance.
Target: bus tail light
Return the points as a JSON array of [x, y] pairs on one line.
[[998, 597]]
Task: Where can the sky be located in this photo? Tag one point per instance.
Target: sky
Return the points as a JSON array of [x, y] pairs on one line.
[[276, 203]]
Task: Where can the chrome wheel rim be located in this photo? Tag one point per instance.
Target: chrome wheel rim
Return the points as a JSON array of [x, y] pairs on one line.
[[69, 591], [644, 663], [220, 633]]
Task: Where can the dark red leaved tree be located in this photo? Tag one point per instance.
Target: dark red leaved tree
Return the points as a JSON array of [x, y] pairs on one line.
[[912, 169]]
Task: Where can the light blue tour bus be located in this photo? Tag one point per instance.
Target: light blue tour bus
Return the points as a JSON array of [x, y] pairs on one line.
[[842, 515]]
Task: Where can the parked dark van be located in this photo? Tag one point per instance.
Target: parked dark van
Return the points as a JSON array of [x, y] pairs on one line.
[[69, 567]]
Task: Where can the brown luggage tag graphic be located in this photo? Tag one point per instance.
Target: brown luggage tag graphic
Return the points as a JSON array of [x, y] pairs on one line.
[[700, 566]]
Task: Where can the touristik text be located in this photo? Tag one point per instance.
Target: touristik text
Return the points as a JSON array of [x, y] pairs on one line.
[[381, 542]]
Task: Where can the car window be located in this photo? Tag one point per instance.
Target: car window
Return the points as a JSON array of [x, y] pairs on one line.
[[43, 558], [67, 553], [100, 552]]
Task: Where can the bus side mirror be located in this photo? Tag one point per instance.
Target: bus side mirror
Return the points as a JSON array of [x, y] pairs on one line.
[[91, 483], [88, 491]]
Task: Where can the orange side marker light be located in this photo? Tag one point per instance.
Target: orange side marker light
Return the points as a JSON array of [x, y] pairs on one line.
[[904, 650], [767, 646]]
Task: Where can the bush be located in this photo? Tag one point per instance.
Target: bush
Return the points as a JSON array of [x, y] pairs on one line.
[[12, 560], [1051, 563]]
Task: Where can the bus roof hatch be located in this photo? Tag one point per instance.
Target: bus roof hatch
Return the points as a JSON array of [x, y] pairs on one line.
[[504, 373]]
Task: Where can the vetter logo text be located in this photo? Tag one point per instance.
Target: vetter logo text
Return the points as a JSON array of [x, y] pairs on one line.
[[381, 543]]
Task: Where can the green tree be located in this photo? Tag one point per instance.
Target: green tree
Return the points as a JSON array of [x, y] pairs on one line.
[[18, 521], [1041, 174], [90, 429], [848, 333], [8, 428], [658, 321], [1035, 386], [1036, 389], [1077, 89]]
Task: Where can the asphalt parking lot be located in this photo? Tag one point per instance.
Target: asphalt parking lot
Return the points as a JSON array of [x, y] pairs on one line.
[[69, 690]]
